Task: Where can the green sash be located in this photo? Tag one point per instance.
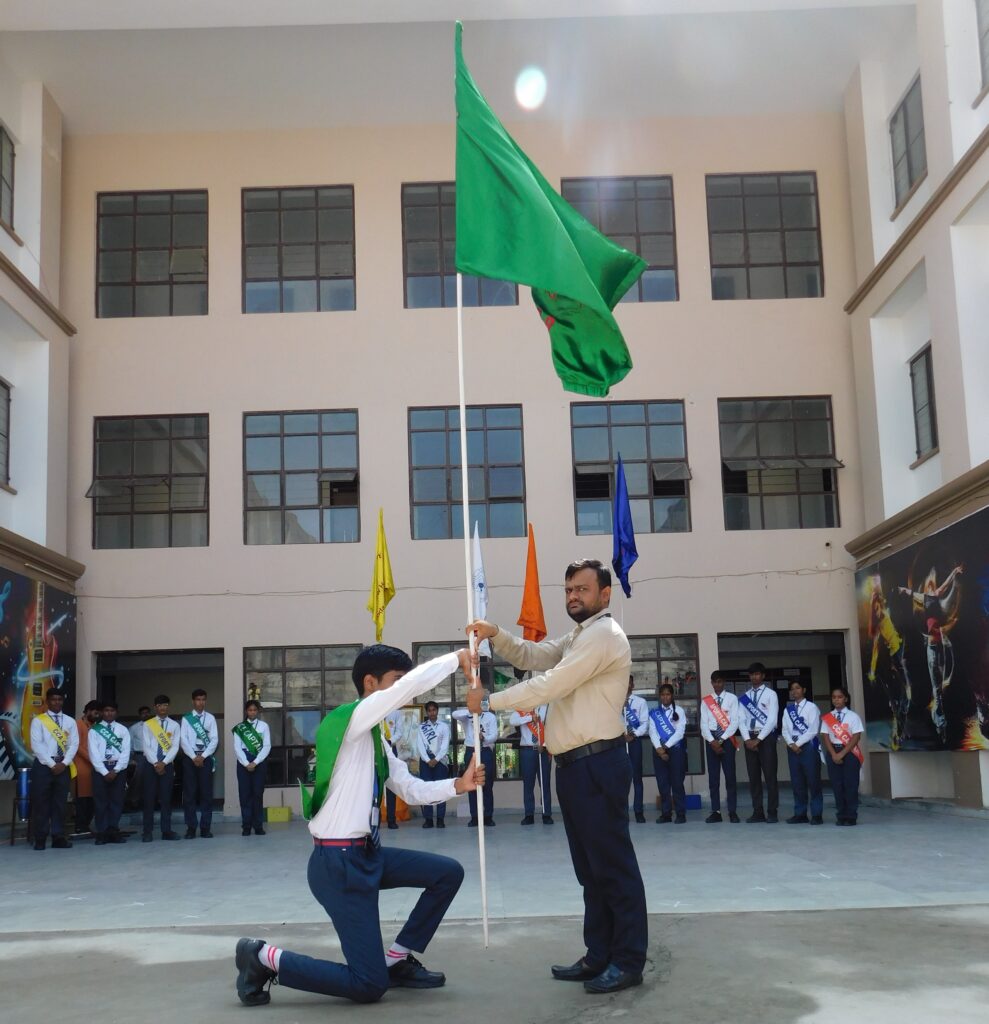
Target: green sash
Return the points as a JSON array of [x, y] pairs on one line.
[[198, 728], [111, 738], [249, 736], [329, 739]]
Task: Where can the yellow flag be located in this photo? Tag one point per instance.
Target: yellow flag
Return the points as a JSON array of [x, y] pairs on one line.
[[382, 584]]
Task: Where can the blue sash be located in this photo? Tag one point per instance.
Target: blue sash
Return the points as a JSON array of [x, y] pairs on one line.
[[663, 725], [753, 709], [799, 724], [631, 717]]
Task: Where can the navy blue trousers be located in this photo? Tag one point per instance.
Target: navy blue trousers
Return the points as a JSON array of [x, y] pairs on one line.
[[529, 765], [718, 765], [49, 794], [108, 799], [635, 760], [845, 784], [157, 788], [250, 790], [346, 882], [593, 795], [438, 772], [805, 777], [197, 793], [487, 759], [669, 779]]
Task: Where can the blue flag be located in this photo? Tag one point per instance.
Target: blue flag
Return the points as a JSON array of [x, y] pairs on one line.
[[624, 555]]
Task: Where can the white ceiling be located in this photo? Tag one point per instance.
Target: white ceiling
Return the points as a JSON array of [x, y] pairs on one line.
[[732, 60]]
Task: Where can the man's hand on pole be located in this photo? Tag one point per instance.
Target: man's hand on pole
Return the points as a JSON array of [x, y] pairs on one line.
[[472, 779], [482, 630]]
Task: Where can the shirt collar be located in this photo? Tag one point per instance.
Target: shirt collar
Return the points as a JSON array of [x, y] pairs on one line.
[[594, 618]]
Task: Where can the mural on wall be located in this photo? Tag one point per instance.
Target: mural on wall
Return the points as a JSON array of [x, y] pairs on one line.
[[37, 652], [924, 636]]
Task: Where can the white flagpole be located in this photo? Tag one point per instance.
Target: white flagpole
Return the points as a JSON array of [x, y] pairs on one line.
[[475, 682]]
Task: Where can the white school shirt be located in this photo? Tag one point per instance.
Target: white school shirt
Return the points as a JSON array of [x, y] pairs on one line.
[[100, 750], [346, 811], [488, 723], [43, 744], [849, 719], [811, 714], [709, 726], [679, 728], [171, 727], [641, 708], [190, 741], [765, 697], [440, 746], [240, 751], [523, 718], [136, 732]]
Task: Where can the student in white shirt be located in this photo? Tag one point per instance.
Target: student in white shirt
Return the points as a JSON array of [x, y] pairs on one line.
[[636, 715], [199, 738], [489, 735], [348, 866], [161, 747], [667, 724], [758, 719], [109, 754], [801, 725], [135, 774], [433, 746], [252, 745], [534, 762], [719, 725], [54, 742], [841, 737]]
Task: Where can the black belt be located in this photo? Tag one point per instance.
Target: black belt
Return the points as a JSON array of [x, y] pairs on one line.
[[597, 747]]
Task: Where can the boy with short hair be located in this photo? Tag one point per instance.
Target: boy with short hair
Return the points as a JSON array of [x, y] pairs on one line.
[[109, 752], [198, 737], [161, 747]]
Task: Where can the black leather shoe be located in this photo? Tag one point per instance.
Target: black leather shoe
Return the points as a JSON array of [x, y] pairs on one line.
[[252, 978], [713, 818], [428, 823], [772, 819], [392, 825], [734, 818], [798, 819], [681, 819], [61, 843], [260, 832], [441, 823], [576, 972], [664, 819], [39, 844], [548, 819], [490, 822], [640, 817], [205, 834], [146, 838], [100, 840], [527, 820], [472, 823], [117, 838], [170, 836], [612, 979], [817, 820], [756, 818], [409, 973], [245, 831], [190, 833]]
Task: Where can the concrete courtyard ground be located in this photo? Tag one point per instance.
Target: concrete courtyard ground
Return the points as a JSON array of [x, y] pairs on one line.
[[747, 923]]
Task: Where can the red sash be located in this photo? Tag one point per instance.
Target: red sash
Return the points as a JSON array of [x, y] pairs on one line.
[[536, 728], [841, 734], [720, 716]]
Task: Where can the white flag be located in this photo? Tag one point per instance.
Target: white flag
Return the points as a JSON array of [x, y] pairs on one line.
[[480, 585]]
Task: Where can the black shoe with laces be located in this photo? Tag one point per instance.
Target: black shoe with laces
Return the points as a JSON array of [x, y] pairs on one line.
[[245, 831], [713, 818], [190, 833], [259, 831], [640, 817], [489, 822], [527, 820], [252, 978], [548, 819], [441, 823], [734, 818], [409, 973]]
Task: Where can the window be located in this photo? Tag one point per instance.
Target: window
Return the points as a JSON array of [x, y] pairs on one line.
[[301, 482], [4, 432], [778, 463], [673, 660], [924, 411], [6, 178], [151, 254], [636, 213], [651, 439], [765, 236], [982, 14], [906, 132], [495, 471], [298, 249], [297, 686], [428, 239], [151, 482]]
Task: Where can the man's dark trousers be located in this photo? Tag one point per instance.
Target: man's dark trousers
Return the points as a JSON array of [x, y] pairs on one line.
[[487, 759], [718, 764], [346, 881], [635, 760], [250, 789], [157, 788], [108, 799], [763, 762], [49, 793], [805, 776], [593, 795], [438, 772], [197, 792], [529, 763]]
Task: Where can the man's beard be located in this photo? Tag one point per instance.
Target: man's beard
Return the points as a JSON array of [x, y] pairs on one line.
[[583, 615]]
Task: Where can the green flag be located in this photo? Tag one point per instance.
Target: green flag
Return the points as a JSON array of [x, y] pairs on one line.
[[512, 225]]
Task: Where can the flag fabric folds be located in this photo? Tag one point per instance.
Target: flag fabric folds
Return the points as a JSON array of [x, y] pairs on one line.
[[382, 584], [513, 226], [624, 554], [480, 586], [531, 617]]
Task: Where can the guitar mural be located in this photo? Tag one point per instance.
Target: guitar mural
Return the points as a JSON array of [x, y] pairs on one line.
[[37, 652]]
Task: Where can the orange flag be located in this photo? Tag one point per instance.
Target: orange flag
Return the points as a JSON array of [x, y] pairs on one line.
[[531, 617]]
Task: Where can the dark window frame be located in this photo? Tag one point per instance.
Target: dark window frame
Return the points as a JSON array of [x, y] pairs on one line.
[[650, 462], [133, 282], [325, 486], [746, 262], [6, 390], [7, 184], [473, 286], [634, 294], [915, 174], [130, 481], [925, 356], [451, 502]]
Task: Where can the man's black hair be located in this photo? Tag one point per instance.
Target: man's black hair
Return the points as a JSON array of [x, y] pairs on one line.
[[199, 693], [252, 704], [143, 707], [432, 704], [108, 704], [377, 660], [717, 674], [602, 572], [92, 705], [163, 698]]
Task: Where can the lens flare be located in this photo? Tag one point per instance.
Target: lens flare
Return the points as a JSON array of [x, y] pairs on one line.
[[530, 88]]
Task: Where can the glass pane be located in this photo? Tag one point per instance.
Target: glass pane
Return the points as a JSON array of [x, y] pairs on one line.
[[154, 231], [729, 284], [618, 217], [116, 232], [420, 419], [475, 514], [298, 296], [299, 261], [503, 446], [422, 222], [724, 215], [637, 477], [115, 266], [263, 490], [338, 421], [430, 522], [336, 260], [475, 484], [593, 517], [765, 247], [429, 449], [670, 515], [260, 228], [340, 451], [817, 511], [337, 688], [190, 530], [424, 292], [302, 452], [189, 300], [341, 525], [302, 527], [587, 414], [507, 416], [423, 257], [640, 515], [506, 519], [337, 294], [116, 203], [655, 215], [112, 532], [263, 527], [801, 247], [665, 412], [762, 212], [803, 282], [781, 512], [742, 512], [189, 455], [263, 453], [666, 442], [262, 297], [591, 444], [301, 489], [189, 229], [723, 185], [262, 424], [475, 448], [300, 726], [659, 286], [113, 458], [766, 283], [506, 483], [629, 442], [261, 261], [776, 438], [813, 437], [151, 300], [799, 211], [296, 198], [188, 492], [336, 225], [728, 247], [151, 497], [301, 423], [151, 531], [189, 202], [429, 485], [150, 457], [738, 440]]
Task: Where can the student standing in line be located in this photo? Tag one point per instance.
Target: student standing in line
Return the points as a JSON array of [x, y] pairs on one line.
[[109, 752], [161, 747], [719, 725], [199, 739], [489, 735], [636, 715], [534, 762], [83, 808], [841, 736], [801, 724], [667, 724], [252, 745], [54, 743], [758, 717], [433, 741], [135, 777]]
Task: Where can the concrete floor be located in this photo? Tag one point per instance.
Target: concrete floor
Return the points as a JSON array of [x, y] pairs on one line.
[[146, 932]]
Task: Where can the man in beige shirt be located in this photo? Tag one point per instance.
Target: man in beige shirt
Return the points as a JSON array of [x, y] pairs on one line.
[[584, 678]]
